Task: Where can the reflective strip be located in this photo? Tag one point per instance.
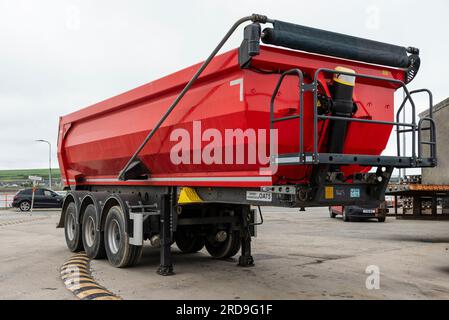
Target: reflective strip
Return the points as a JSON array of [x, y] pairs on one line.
[[183, 179], [192, 179], [287, 160]]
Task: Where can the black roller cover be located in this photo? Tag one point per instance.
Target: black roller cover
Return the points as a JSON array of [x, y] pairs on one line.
[[335, 44]]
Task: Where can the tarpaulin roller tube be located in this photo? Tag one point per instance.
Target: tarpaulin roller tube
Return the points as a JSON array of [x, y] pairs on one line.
[[335, 44]]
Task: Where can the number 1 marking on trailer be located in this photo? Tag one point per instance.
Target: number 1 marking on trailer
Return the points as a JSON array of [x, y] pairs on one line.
[[238, 82]]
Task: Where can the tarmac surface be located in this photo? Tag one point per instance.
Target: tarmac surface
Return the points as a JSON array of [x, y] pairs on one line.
[[298, 256]]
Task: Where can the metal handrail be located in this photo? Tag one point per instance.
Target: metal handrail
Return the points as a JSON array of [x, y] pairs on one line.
[[412, 125], [431, 128], [430, 99], [300, 75], [432, 136], [254, 18]]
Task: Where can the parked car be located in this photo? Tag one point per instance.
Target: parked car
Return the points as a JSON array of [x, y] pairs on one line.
[[354, 212], [43, 198]]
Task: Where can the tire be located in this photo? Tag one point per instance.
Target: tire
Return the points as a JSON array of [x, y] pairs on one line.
[[226, 249], [382, 219], [118, 250], [332, 214], [187, 241], [93, 240], [72, 230], [25, 206], [345, 216]]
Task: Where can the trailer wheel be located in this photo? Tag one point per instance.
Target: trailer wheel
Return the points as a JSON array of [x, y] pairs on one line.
[[93, 240], [72, 229], [118, 250], [188, 241], [225, 249], [331, 213]]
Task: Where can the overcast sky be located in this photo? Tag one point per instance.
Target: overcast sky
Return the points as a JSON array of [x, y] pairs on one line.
[[58, 56]]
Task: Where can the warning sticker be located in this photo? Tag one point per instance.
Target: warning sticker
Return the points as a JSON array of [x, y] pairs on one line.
[[355, 193], [329, 193]]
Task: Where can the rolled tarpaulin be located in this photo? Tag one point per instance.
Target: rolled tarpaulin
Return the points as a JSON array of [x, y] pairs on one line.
[[334, 44]]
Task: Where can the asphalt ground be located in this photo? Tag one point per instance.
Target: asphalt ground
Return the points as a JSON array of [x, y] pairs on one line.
[[298, 256]]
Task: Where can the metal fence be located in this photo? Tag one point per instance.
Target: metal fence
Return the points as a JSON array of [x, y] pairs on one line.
[[6, 200]]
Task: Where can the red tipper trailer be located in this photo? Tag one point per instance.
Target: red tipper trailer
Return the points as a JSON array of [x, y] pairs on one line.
[[184, 157]]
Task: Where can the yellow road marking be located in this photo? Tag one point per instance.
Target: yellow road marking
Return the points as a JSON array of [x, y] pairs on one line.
[[69, 282], [77, 270], [75, 263], [77, 260], [74, 271], [75, 266], [74, 275], [91, 292], [108, 298], [77, 286]]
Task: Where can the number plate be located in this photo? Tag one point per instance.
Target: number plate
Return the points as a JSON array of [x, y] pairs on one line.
[[259, 196]]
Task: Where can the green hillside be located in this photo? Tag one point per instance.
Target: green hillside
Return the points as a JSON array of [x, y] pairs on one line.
[[23, 174]]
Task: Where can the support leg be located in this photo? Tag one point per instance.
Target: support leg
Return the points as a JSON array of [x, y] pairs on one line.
[[417, 206], [434, 206], [166, 265], [246, 259]]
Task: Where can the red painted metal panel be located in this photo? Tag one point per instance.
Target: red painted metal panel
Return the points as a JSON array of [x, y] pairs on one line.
[[95, 143]]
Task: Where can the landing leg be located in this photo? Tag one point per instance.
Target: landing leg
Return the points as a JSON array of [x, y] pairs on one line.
[[246, 259], [166, 265]]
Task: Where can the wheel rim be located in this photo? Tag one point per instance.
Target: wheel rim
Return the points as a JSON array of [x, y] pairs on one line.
[[25, 206], [71, 227], [114, 236], [89, 232]]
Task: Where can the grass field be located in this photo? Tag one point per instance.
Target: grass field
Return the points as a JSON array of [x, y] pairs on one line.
[[23, 174]]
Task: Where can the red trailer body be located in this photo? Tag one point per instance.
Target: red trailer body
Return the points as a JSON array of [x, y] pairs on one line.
[[333, 109], [96, 142]]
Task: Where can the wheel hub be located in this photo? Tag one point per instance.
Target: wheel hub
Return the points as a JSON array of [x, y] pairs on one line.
[[114, 236], [221, 236], [90, 231], [71, 227]]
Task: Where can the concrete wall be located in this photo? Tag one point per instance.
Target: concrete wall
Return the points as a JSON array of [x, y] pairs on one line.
[[440, 174]]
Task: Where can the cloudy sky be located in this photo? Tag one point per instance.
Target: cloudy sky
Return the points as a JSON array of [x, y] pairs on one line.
[[57, 56]]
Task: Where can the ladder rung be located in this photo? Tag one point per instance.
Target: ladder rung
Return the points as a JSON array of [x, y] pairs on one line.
[[286, 118]]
